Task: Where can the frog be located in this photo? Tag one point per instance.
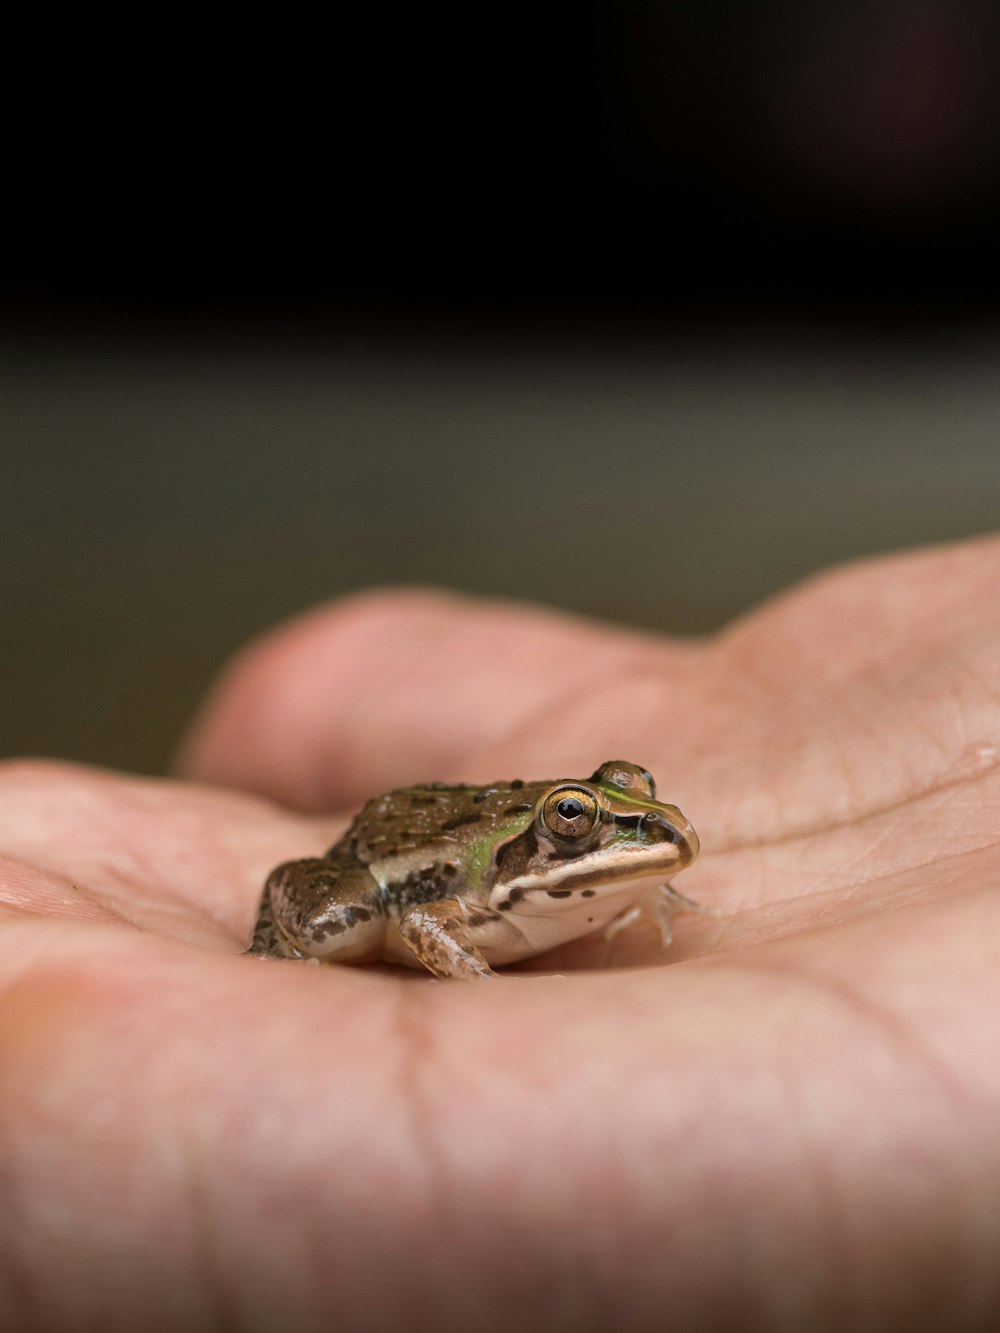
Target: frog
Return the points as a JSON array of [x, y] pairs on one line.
[[459, 879]]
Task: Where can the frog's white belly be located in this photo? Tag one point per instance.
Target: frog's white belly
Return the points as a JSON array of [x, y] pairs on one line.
[[544, 924]]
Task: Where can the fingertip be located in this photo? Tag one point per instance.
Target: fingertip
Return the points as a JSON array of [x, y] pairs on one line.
[[275, 720], [377, 690], [396, 686]]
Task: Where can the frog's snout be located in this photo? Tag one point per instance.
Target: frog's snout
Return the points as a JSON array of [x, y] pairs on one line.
[[689, 844], [676, 829]]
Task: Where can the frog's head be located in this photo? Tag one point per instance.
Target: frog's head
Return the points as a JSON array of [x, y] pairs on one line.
[[591, 839]]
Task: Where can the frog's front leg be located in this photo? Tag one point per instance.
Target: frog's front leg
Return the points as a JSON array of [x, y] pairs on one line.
[[663, 903], [438, 933], [325, 908]]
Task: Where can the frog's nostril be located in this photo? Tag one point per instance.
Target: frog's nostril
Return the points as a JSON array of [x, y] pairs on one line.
[[667, 832]]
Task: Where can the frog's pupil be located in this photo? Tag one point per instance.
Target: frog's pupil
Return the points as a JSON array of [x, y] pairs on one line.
[[569, 808]]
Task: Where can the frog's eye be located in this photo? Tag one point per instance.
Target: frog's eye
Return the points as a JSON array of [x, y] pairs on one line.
[[570, 812]]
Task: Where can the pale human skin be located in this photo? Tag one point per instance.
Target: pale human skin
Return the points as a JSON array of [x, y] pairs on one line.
[[794, 1124]]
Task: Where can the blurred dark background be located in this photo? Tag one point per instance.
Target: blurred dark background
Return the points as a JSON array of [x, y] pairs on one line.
[[643, 310]]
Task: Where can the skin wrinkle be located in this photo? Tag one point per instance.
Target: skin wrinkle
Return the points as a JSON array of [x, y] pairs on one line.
[[851, 1001], [838, 756], [865, 1015], [224, 1309], [423, 1040], [786, 917], [420, 1039], [413, 1038], [857, 865], [803, 832], [622, 1139], [795, 1303], [951, 762], [914, 791], [960, 663], [26, 889], [902, 1038]]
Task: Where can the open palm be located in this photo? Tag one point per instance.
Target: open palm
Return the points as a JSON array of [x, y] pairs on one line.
[[788, 1120]]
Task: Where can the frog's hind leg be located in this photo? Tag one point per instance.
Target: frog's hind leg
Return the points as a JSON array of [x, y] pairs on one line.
[[267, 941], [328, 909]]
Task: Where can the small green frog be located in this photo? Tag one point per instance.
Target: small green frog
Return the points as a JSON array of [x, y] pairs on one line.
[[459, 878]]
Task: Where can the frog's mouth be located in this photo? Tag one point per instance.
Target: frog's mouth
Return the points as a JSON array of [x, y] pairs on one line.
[[594, 871]]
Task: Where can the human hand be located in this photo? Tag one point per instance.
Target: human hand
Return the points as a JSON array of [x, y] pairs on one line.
[[792, 1125]]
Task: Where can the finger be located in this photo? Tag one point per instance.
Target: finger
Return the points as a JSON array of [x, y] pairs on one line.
[[185, 861], [392, 688]]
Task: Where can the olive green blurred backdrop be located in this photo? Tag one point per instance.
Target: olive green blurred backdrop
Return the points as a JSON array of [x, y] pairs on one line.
[[643, 310], [166, 497]]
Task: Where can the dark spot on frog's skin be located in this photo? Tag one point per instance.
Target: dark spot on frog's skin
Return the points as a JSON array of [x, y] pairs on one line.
[[458, 821], [559, 893], [423, 886], [516, 784], [478, 918], [589, 893], [515, 895], [346, 919], [505, 906], [522, 808], [482, 795], [425, 800]]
